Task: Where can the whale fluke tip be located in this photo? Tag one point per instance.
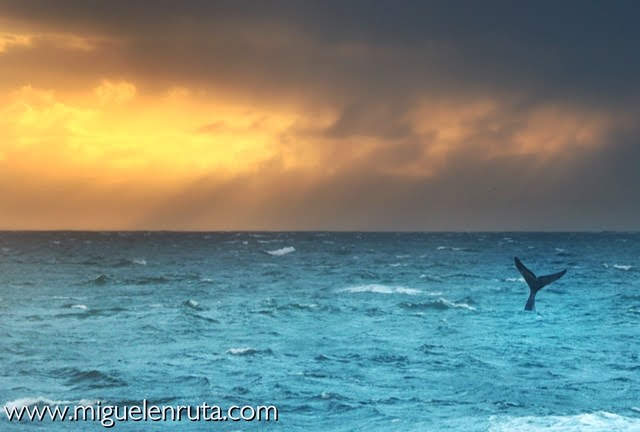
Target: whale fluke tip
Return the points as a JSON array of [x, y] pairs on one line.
[[535, 283]]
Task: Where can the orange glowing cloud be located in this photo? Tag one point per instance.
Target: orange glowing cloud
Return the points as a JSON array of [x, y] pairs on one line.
[[241, 122]]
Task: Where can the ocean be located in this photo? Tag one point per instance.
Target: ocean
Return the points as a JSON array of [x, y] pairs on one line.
[[339, 331]]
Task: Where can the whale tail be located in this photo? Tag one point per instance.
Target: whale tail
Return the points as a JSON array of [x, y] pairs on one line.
[[536, 283]]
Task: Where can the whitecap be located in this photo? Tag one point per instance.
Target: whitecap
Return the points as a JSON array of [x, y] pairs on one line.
[[381, 289], [243, 351], [600, 421], [441, 248], [622, 267], [456, 305], [282, 251], [438, 304], [40, 400], [514, 279], [79, 306], [192, 304], [139, 261]]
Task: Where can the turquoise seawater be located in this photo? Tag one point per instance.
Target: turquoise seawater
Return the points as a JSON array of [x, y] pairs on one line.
[[340, 331]]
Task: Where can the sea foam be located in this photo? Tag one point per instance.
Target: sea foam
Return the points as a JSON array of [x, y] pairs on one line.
[[600, 421], [43, 401], [282, 251], [381, 289]]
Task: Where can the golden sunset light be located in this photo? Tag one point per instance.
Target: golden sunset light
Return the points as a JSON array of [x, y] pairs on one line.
[[319, 215], [122, 119]]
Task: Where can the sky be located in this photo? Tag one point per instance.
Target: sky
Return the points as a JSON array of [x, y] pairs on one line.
[[319, 115]]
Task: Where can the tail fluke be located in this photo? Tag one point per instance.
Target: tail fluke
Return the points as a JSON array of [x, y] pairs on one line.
[[546, 280], [527, 274], [535, 283]]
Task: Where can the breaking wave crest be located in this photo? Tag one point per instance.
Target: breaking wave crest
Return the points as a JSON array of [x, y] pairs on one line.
[[282, 251], [247, 351], [600, 421], [439, 304], [381, 289], [43, 401]]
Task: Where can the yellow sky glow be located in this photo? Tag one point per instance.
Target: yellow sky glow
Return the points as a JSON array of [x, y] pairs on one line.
[[127, 131]]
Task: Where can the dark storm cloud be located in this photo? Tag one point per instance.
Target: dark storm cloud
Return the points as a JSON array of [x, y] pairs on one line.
[[374, 62], [509, 193], [580, 49]]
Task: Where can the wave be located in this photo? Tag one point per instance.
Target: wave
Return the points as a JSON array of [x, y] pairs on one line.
[[283, 251], [389, 358], [88, 312], [43, 401], [439, 304], [618, 266], [430, 278], [125, 262], [204, 318], [513, 279], [100, 280], [455, 249], [600, 421], [89, 379], [300, 306], [381, 289], [150, 280], [192, 304], [461, 276], [91, 261], [330, 396], [247, 351]]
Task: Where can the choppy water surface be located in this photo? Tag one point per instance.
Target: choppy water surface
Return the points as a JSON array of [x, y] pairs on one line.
[[342, 331]]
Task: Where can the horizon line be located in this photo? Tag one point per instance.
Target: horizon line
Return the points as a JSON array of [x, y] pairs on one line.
[[408, 231]]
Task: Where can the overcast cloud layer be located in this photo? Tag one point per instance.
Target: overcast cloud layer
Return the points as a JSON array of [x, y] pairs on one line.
[[319, 115]]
